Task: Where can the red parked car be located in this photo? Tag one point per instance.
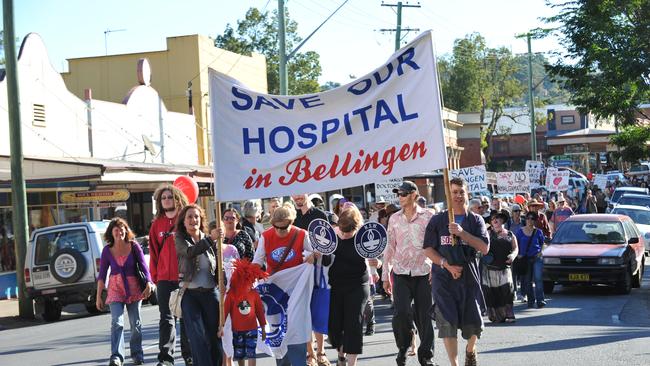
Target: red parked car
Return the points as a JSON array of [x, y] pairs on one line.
[[595, 249]]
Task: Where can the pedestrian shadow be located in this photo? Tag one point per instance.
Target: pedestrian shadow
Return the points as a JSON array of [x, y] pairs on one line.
[[573, 343]]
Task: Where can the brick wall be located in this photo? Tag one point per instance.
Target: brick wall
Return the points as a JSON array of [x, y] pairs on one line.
[[472, 154]]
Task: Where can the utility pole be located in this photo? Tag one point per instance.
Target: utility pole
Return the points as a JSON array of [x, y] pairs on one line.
[[398, 29], [536, 33], [284, 83], [531, 104], [19, 196], [282, 29]]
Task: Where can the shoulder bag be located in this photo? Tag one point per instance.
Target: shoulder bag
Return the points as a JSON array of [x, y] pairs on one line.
[[320, 302], [175, 298], [520, 265], [139, 273]]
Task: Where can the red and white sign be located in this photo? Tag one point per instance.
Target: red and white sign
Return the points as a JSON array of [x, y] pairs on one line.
[[557, 180], [513, 182], [385, 124]]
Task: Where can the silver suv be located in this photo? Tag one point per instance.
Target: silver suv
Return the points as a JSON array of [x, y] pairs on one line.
[[61, 266]]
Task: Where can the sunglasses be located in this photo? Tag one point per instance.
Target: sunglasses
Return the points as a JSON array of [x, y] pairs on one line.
[[403, 194], [281, 228], [166, 197], [229, 218]]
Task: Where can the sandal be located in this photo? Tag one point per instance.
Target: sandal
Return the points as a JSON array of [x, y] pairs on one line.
[[342, 361], [322, 360], [311, 361]]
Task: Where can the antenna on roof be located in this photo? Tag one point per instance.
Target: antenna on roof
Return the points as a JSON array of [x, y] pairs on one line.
[[148, 146]]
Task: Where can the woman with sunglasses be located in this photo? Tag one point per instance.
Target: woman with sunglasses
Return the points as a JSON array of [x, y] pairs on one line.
[[496, 279], [235, 236], [531, 241], [281, 247]]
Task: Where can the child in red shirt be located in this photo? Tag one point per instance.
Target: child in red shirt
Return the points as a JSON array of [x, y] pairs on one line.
[[244, 305]]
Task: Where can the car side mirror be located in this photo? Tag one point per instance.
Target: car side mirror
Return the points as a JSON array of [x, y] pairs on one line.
[[633, 241]]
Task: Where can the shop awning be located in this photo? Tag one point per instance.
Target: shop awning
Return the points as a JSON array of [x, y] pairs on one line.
[[37, 170]]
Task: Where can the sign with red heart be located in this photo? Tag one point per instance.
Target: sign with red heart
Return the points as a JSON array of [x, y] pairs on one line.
[[557, 180]]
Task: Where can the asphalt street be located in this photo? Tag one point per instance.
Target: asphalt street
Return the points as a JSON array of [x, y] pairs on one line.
[[580, 326]]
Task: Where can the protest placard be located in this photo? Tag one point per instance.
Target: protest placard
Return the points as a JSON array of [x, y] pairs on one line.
[[513, 182], [385, 189], [535, 170], [557, 180], [385, 124], [600, 180], [473, 175]]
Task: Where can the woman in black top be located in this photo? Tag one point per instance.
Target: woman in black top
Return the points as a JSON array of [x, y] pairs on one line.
[[496, 278], [348, 276]]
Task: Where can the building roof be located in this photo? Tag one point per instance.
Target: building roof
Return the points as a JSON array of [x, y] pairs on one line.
[[576, 133]]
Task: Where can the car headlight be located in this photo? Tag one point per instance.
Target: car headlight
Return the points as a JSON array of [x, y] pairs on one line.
[[551, 260], [608, 261]]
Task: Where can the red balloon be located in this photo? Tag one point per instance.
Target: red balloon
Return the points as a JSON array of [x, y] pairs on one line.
[[520, 199], [188, 186]]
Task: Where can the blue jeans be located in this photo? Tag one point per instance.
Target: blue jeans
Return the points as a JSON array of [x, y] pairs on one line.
[[296, 356], [201, 315], [534, 275], [117, 330]]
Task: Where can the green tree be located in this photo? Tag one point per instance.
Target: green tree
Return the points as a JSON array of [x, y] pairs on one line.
[[635, 139], [329, 85], [606, 65], [480, 79], [545, 89], [257, 32]]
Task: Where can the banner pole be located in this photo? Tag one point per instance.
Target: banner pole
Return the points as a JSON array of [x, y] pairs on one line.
[[222, 289], [450, 210]]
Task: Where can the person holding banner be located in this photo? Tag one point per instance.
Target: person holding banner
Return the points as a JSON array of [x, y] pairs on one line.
[[404, 258], [455, 280], [349, 278], [283, 237], [306, 212], [197, 271], [163, 264]]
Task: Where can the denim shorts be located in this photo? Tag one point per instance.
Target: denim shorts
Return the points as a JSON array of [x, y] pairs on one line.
[[448, 330], [244, 344]]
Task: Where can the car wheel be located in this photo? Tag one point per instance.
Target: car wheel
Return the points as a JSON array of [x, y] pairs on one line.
[[548, 287], [625, 287], [638, 278], [52, 311], [68, 265]]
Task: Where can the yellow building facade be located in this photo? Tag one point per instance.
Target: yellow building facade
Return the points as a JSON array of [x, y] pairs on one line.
[[183, 66]]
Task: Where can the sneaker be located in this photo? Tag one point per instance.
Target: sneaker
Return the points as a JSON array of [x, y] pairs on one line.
[[115, 362], [470, 358], [427, 362], [370, 329], [541, 304], [165, 363]]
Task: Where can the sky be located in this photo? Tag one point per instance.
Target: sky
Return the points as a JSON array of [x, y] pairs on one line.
[[349, 44]]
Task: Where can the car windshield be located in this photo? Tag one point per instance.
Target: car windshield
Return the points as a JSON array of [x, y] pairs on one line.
[[639, 168], [580, 232], [638, 216], [634, 201]]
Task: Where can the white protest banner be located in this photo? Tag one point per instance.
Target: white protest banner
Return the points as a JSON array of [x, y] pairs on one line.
[[600, 180], [535, 170], [474, 176], [386, 124], [491, 178], [385, 189], [557, 180], [513, 182]]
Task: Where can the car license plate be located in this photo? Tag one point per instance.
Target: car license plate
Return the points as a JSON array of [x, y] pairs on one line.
[[48, 292], [578, 277]]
